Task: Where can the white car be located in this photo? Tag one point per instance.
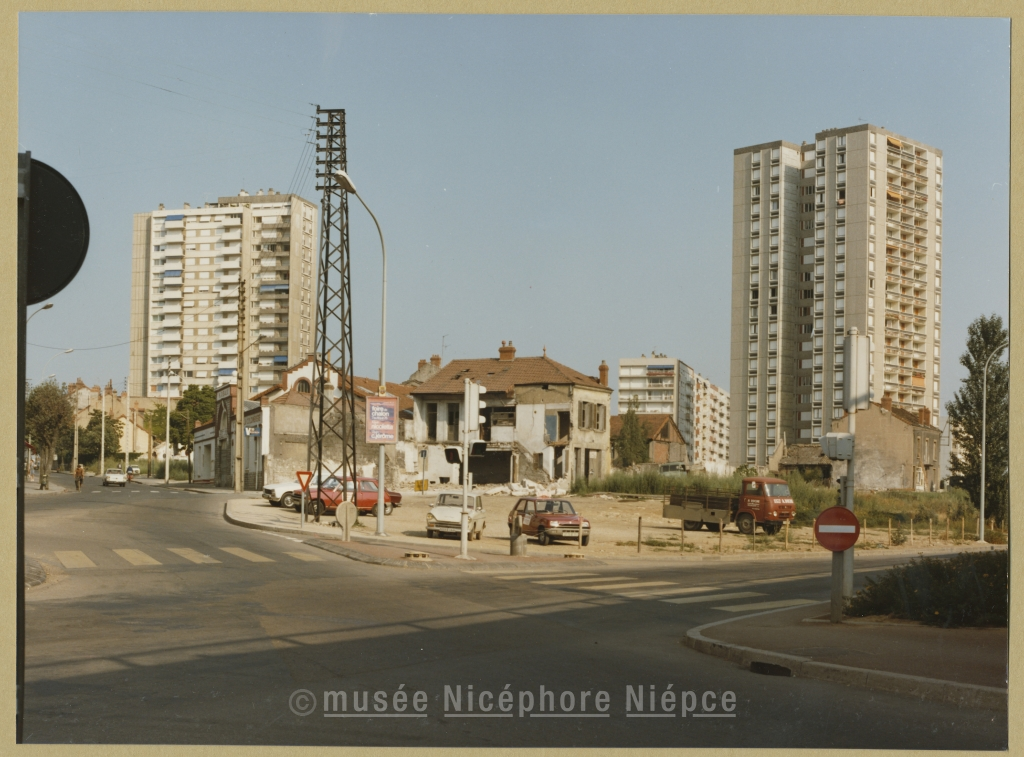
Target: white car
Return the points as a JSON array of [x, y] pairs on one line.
[[114, 477], [445, 517], [282, 493]]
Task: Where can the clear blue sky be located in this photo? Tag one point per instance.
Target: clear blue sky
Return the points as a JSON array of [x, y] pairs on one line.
[[557, 181]]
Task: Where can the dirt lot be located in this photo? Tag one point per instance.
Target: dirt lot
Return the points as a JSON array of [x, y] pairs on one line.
[[614, 530]]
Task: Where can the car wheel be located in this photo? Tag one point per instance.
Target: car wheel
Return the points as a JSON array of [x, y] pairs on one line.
[[772, 528], [691, 525], [479, 534], [315, 507], [712, 527], [586, 540], [543, 539], [431, 534], [745, 523], [288, 501]]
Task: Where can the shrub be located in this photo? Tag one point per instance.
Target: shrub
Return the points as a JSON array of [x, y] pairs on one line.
[[967, 590]]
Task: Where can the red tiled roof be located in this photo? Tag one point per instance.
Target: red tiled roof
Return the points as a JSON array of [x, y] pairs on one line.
[[651, 423], [500, 376]]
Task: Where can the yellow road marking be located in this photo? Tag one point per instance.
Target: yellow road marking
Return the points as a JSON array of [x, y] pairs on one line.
[[193, 555], [245, 554], [136, 557], [304, 557], [714, 598], [74, 560]]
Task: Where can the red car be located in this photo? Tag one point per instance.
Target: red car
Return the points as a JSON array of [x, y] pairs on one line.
[[327, 501], [549, 519]]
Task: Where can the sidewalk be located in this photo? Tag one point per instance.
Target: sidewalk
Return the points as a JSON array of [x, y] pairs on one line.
[[966, 666], [363, 547]]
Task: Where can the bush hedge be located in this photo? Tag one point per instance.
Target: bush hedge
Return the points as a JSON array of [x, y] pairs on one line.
[[967, 590]]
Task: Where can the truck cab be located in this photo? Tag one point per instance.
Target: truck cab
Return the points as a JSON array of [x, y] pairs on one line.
[[764, 502]]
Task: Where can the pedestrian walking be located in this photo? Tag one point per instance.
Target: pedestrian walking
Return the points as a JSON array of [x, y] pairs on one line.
[[79, 477]]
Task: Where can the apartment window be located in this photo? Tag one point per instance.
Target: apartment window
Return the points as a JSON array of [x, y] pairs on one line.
[[453, 421], [755, 209], [775, 153], [841, 178], [755, 175], [837, 378], [755, 261], [752, 383], [840, 249], [837, 395], [774, 240], [775, 188], [751, 434], [840, 160], [840, 303], [755, 191], [771, 400], [752, 364], [753, 279], [817, 394], [773, 328], [752, 416], [841, 141]]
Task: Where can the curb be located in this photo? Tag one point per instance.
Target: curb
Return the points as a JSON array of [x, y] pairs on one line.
[[933, 689], [326, 543]]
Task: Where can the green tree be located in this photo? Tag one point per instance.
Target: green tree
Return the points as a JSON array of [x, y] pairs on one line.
[[48, 412], [89, 438], [197, 403], [631, 446], [984, 336]]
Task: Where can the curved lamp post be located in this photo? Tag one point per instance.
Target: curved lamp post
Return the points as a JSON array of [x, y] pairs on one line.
[[984, 429], [346, 183], [55, 354], [47, 306]]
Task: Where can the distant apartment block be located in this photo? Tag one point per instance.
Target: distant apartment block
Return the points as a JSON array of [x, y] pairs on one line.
[[844, 231], [188, 267], [667, 385], [710, 425]]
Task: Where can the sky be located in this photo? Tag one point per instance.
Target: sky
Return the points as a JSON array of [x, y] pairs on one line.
[[563, 182]]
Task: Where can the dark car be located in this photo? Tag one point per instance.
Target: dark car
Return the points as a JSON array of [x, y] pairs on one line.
[[328, 499], [549, 519]]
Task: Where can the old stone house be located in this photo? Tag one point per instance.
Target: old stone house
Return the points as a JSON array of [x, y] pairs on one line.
[[542, 421], [665, 444], [895, 448]]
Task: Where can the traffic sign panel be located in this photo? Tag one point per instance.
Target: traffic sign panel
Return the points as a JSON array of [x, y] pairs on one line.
[[837, 529], [304, 476]]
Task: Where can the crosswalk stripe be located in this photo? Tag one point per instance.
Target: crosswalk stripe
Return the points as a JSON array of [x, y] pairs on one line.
[[136, 557], [563, 581], [304, 557], [193, 555], [767, 605], [713, 598], [603, 587], [526, 576], [74, 560], [245, 554], [655, 593]]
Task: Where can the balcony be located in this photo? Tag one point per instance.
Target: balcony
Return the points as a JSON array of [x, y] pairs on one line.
[[231, 265], [172, 294], [231, 236], [172, 238], [228, 307]]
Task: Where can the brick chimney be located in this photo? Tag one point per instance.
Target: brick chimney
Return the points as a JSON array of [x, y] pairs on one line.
[[602, 372], [506, 353], [421, 365], [435, 360], [924, 415], [887, 402]]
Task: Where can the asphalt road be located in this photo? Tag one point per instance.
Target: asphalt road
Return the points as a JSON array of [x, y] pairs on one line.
[[162, 624]]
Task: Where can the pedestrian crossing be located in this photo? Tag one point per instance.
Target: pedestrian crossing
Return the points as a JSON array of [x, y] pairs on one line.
[[131, 557], [669, 592]]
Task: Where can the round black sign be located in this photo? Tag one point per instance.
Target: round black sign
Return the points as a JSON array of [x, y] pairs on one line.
[[58, 233]]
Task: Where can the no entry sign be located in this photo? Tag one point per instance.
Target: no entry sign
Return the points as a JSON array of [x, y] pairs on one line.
[[837, 529]]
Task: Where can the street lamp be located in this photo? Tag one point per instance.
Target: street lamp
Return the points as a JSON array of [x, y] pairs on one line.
[[984, 407], [47, 306], [346, 183], [65, 352], [167, 430]]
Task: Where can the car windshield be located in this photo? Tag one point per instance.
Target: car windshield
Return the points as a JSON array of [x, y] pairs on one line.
[[557, 506], [777, 490]]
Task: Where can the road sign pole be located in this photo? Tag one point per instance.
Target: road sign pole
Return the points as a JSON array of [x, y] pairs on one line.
[[847, 565], [836, 615]]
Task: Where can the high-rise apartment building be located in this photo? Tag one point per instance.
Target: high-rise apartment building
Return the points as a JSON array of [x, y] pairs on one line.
[[188, 266], [710, 426], [700, 409], [841, 232]]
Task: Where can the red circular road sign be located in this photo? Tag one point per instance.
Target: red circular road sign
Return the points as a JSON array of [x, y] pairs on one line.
[[837, 529]]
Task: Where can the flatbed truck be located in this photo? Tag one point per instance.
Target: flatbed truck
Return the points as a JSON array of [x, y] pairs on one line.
[[764, 502]]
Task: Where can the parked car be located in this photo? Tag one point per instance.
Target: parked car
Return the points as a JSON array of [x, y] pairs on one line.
[[332, 495], [114, 477], [672, 469], [281, 493], [549, 520], [445, 517]]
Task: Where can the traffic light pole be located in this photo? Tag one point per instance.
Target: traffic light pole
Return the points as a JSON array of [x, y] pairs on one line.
[[464, 519]]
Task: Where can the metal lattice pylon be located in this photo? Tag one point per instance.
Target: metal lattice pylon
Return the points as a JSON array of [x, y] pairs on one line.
[[332, 429]]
